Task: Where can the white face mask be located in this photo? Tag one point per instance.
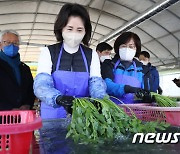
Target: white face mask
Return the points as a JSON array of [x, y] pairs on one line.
[[144, 62], [102, 58], [72, 39], [127, 54]]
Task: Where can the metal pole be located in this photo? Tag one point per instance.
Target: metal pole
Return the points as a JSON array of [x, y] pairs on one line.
[[163, 4]]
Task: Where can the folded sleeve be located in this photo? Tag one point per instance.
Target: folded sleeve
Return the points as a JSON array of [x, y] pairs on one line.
[[97, 87], [44, 89], [30, 97]]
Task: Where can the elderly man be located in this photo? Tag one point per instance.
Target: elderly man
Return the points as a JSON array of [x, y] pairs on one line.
[[16, 92]]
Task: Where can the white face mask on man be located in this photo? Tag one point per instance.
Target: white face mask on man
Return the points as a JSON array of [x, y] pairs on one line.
[[103, 58], [144, 62], [127, 54], [72, 39]]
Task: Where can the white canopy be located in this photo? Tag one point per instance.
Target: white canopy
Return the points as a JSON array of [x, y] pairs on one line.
[[157, 22]]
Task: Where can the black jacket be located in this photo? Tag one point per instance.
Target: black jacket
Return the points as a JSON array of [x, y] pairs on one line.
[[148, 80], [155, 77], [13, 95]]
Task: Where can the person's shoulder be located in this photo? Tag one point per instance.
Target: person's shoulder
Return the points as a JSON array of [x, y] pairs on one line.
[[115, 59], [145, 68], [137, 62], [108, 63], [24, 65], [86, 48], [153, 67], [25, 69], [54, 46]]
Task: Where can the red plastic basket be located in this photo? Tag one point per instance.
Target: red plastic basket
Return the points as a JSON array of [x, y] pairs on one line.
[[16, 130], [146, 112]]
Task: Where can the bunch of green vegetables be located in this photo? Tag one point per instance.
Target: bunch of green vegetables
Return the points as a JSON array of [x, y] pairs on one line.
[[97, 121], [164, 101]]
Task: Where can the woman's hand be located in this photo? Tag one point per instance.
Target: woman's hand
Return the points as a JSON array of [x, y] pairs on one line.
[[66, 102]]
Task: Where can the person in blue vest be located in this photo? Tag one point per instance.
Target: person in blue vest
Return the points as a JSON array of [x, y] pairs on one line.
[[124, 75], [68, 69]]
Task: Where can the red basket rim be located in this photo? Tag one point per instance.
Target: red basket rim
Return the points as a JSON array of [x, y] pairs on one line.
[[148, 107], [20, 127]]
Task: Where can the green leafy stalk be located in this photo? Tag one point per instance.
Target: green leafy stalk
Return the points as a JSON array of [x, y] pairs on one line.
[[97, 121], [164, 101]]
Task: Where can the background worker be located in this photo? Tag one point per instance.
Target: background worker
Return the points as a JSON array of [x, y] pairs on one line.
[[144, 57], [16, 80], [104, 51], [123, 75]]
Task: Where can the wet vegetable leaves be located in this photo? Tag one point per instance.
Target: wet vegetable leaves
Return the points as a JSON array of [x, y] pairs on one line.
[[96, 121]]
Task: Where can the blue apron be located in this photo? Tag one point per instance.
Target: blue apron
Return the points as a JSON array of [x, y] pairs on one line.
[[126, 80], [68, 83]]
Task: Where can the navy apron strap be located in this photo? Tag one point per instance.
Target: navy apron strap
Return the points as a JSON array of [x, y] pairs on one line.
[[117, 63], [84, 58], [135, 69], [59, 57]]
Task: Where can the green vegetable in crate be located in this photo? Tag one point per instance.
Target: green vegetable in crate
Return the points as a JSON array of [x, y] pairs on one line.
[[96, 121], [175, 99], [163, 101]]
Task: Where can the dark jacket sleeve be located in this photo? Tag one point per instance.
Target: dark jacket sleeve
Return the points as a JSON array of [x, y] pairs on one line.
[[107, 70], [148, 82], [31, 96], [27, 87], [151, 78], [147, 77], [155, 78]]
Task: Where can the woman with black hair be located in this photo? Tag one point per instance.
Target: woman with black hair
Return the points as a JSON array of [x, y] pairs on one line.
[[69, 68], [124, 74]]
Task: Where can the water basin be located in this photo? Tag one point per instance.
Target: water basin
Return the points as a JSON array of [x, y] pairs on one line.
[[52, 141]]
